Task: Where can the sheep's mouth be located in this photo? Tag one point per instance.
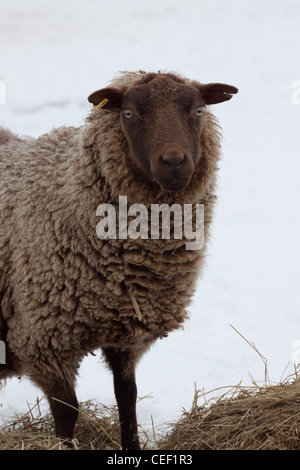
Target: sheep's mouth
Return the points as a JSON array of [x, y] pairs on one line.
[[173, 185]]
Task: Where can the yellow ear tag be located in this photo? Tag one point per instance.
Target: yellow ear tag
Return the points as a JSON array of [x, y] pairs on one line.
[[101, 104]]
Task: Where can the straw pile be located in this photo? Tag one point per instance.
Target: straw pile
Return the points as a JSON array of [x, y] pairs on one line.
[[97, 429], [244, 418], [253, 418]]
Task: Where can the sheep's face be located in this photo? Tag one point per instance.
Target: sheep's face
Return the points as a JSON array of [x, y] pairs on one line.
[[162, 119], [163, 126]]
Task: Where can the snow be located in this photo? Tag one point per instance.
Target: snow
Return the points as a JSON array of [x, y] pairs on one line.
[[53, 54]]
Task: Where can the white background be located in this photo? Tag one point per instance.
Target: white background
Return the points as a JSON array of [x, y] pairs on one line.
[[53, 54]]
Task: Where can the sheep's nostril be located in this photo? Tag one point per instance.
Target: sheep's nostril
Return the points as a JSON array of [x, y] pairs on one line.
[[173, 161]]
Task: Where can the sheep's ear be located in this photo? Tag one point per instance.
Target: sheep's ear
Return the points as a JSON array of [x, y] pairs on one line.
[[213, 93], [111, 98]]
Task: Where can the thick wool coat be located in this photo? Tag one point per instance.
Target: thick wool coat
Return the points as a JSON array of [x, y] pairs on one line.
[[63, 291]]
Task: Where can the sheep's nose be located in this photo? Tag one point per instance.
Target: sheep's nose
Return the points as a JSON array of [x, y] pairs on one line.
[[173, 160]]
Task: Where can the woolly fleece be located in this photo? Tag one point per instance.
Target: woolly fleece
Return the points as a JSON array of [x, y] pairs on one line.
[[63, 291]]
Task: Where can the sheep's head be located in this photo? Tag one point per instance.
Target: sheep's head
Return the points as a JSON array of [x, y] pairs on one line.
[[161, 117]]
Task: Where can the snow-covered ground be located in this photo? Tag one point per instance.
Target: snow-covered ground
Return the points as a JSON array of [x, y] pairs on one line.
[[53, 54]]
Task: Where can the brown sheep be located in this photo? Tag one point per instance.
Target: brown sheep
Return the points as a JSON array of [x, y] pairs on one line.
[[64, 292]]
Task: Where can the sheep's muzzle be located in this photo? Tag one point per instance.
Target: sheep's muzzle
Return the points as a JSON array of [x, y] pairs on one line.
[[172, 167]]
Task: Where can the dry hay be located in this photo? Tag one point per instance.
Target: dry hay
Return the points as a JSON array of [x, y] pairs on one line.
[[244, 418], [257, 417], [97, 429]]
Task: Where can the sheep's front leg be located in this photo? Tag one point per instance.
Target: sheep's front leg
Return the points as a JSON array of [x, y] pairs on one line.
[[126, 393]]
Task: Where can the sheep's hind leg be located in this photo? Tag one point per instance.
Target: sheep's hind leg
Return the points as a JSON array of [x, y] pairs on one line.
[[63, 404], [123, 369]]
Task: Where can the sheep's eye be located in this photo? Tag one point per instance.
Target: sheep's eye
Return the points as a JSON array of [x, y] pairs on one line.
[[199, 110], [127, 113]]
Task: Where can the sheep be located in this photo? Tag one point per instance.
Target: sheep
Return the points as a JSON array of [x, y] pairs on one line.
[[66, 292]]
